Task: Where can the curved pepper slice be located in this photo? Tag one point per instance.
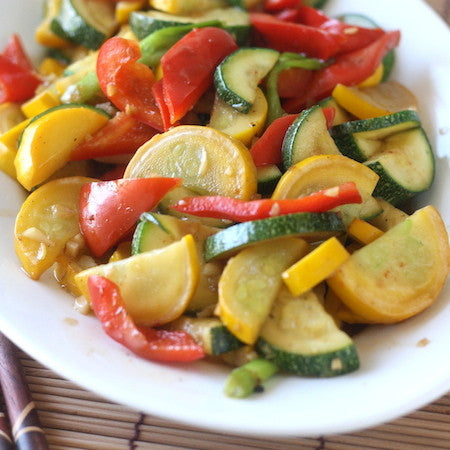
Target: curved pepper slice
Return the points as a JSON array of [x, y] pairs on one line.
[[148, 343], [109, 209], [242, 211], [126, 82]]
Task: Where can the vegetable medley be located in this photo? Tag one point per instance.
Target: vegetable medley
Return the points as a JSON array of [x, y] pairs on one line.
[[223, 179]]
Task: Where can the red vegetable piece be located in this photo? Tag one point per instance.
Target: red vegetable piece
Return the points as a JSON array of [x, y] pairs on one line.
[[126, 82], [15, 53], [188, 67], [121, 135], [279, 5], [242, 211], [294, 37], [267, 149], [115, 173], [109, 209], [329, 114], [348, 69], [148, 343], [294, 81]]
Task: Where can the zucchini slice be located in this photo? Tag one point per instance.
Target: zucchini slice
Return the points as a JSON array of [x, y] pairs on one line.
[[307, 136], [399, 274], [268, 177], [208, 332], [85, 22], [361, 139], [186, 6], [234, 20], [238, 75], [405, 166], [308, 226], [299, 336], [250, 282]]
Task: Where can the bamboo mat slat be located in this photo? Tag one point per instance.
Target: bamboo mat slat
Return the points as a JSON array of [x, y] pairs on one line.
[[73, 418]]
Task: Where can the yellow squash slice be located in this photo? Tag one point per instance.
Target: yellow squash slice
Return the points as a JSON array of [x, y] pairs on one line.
[[363, 231], [46, 221], [326, 171], [399, 274], [48, 140], [156, 286], [250, 283], [243, 127], [209, 162]]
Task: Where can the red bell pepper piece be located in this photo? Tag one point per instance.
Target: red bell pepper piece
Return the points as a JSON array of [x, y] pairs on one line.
[[158, 94], [189, 65], [126, 82], [242, 211], [18, 82], [293, 81], [348, 69], [329, 114], [109, 209], [148, 343], [267, 149], [115, 173], [294, 37], [121, 135], [279, 5], [15, 53]]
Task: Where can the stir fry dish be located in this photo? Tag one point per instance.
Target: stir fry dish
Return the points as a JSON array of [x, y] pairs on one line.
[[223, 179]]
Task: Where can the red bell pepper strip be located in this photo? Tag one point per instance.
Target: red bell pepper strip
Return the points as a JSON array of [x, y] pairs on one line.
[[242, 211], [292, 82], [329, 114], [279, 5], [267, 149], [15, 53], [294, 37], [109, 209], [189, 65], [121, 135], [348, 69], [126, 82], [158, 94], [148, 343], [115, 173]]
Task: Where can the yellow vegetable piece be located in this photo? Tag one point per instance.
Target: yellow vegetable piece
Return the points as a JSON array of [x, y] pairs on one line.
[[46, 221], [158, 72], [315, 266], [8, 148], [243, 127], [363, 232], [209, 162], [122, 251], [47, 141], [376, 101], [10, 116], [65, 270], [326, 171], [40, 103], [156, 286], [43, 34], [250, 282], [390, 216], [399, 274], [51, 67], [374, 79], [125, 8], [186, 7]]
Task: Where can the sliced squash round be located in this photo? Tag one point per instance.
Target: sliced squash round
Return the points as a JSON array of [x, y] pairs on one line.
[[209, 162], [156, 286], [300, 337], [399, 274], [49, 138], [250, 282], [325, 171], [47, 219]]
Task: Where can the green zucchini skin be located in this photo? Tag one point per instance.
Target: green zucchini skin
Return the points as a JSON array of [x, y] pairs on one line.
[[378, 127], [222, 341], [268, 177], [230, 73], [307, 136], [312, 226], [70, 24], [320, 365]]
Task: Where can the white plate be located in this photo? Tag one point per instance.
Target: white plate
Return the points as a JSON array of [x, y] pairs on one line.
[[396, 376]]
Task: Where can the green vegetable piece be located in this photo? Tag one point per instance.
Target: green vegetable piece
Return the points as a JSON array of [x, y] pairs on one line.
[[156, 44], [243, 380], [287, 60]]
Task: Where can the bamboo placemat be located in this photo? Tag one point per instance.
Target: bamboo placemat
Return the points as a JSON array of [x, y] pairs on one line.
[[73, 418]]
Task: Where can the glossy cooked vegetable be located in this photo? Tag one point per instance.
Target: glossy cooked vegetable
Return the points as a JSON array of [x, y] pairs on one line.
[[194, 117]]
